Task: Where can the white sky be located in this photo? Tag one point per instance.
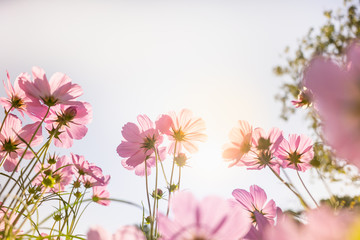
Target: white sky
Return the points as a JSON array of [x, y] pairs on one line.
[[150, 57]]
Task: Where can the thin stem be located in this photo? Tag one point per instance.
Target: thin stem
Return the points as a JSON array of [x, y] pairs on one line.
[[171, 177], [6, 115], [289, 187], [147, 193], [332, 198], [162, 168], [179, 178], [302, 182], [155, 195]]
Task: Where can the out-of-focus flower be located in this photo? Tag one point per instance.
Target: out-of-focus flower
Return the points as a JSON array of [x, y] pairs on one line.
[[237, 151], [68, 123], [139, 145], [264, 147], [101, 195], [59, 90], [296, 153], [123, 233], [321, 224], [183, 130], [11, 145], [97, 233], [211, 218], [304, 99], [129, 233], [255, 201], [60, 172], [336, 93]]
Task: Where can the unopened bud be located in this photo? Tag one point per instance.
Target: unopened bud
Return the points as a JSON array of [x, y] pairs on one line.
[[181, 159], [158, 195]]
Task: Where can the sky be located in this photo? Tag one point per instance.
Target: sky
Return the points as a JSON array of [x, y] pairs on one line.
[[151, 57]]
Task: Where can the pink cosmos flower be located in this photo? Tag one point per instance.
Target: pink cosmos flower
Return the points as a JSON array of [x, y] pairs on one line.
[[183, 130], [304, 99], [139, 145], [11, 145], [69, 122], [129, 233], [254, 201], [264, 147], [59, 90], [123, 233], [321, 224], [237, 151], [211, 218], [17, 98], [296, 153], [101, 195], [336, 92], [88, 173], [61, 171]]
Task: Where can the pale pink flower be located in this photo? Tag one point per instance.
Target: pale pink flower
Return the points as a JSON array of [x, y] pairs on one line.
[[88, 173], [11, 145], [336, 92], [296, 153], [183, 130], [62, 172], [129, 233], [211, 218], [237, 151], [304, 99], [321, 224], [17, 98], [59, 90], [101, 195], [123, 233], [139, 145], [264, 147], [68, 122], [255, 201], [97, 233]]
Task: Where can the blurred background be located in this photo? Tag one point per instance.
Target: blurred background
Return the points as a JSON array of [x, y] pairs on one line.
[[150, 57]]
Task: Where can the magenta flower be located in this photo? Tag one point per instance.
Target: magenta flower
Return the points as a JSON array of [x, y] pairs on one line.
[[59, 90], [296, 153], [264, 147], [211, 218], [239, 147], [183, 130], [68, 123], [254, 201], [139, 145], [336, 94], [101, 195], [11, 145]]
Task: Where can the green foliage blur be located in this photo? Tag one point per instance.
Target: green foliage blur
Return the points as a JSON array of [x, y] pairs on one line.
[[330, 40]]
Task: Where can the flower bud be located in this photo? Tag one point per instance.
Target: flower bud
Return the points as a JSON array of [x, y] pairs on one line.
[[158, 195], [181, 159]]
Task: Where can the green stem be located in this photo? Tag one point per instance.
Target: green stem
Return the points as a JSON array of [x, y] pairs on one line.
[[155, 195], [171, 177], [302, 182], [290, 188]]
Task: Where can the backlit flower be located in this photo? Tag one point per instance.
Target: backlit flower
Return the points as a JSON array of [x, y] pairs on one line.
[[211, 218], [139, 145], [296, 153], [101, 195], [183, 130], [59, 90], [255, 201], [68, 123], [11, 145], [237, 151]]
